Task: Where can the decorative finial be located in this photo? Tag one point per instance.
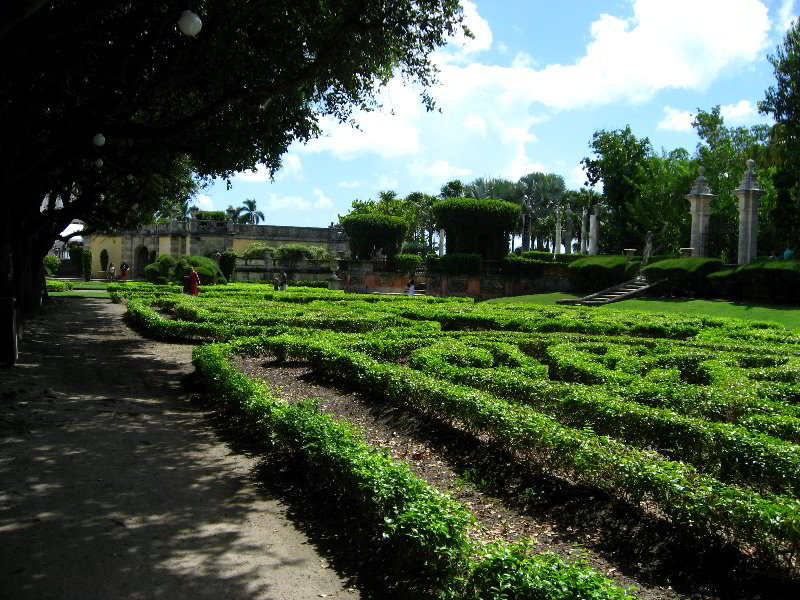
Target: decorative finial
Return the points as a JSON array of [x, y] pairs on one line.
[[750, 164], [701, 170]]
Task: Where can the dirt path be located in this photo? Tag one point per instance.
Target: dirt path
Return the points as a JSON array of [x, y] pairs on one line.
[[112, 485]]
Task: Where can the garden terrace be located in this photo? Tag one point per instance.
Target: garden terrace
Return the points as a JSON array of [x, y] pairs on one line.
[[693, 421]]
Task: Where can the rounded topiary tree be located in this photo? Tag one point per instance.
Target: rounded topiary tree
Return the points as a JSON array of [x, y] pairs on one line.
[[477, 226], [103, 259], [374, 231], [86, 258], [227, 263]]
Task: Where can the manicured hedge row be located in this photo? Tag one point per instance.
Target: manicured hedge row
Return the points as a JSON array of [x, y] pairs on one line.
[[683, 275], [59, 286], [595, 273], [728, 452], [423, 530], [701, 503]]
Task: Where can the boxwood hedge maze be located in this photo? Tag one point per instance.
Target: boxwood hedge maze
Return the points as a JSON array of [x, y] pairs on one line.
[[692, 420]]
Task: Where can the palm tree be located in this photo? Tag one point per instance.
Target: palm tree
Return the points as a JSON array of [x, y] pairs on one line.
[[249, 212], [234, 214]]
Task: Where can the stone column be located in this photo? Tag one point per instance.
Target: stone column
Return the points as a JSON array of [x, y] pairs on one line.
[[441, 242], [584, 230], [749, 194], [594, 241], [699, 198], [558, 232]]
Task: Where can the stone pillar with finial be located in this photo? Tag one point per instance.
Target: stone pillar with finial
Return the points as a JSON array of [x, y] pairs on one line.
[[699, 198], [584, 230], [749, 194], [594, 230], [557, 249]]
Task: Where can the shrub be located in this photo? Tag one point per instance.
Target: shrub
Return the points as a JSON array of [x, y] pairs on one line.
[[206, 268], [368, 232], [160, 270], [722, 284], [477, 226], [301, 251], [86, 259], [256, 250], [595, 273], [523, 266], [564, 259], [103, 259], [683, 275], [461, 264], [404, 263], [227, 263], [51, 265], [210, 215], [309, 284], [773, 279]]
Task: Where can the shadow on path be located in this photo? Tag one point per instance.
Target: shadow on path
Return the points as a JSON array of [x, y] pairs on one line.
[[113, 486]]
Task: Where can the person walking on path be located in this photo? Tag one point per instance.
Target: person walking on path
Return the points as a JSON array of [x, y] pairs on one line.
[[194, 281], [111, 272], [123, 271], [411, 286]]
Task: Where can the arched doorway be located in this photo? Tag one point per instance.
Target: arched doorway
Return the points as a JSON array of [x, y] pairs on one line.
[[142, 256]]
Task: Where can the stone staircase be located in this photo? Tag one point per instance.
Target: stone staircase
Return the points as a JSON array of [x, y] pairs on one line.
[[623, 291]]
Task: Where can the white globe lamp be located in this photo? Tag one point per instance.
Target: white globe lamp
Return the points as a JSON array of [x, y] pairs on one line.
[[189, 23], [99, 140]]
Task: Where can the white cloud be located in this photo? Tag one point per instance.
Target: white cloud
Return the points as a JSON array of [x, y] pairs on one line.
[[291, 166], [204, 201], [629, 59], [785, 16], [521, 165], [260, 175], [390, 132], [461, 47], [502, 48], [386, 183], [350, 184], [475, 123], [742, 111], [438, 170], [523, 60], [275, 202], [322, 200], [676, 120]]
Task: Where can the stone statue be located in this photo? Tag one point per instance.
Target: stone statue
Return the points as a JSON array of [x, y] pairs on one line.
[[648, 248]]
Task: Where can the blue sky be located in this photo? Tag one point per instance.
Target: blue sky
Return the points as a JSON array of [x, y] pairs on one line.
[[526, 94]]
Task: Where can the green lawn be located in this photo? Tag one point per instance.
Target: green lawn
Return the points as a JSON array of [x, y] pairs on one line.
[[550, 298], [789, 316]]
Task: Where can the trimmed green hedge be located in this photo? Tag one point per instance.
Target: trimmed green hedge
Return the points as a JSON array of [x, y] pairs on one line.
[[460, 264], [404, 263], [86, 261], [51, 265], [771, 279], [477, 226], [595, 273], [683, 275], [423, 530], [210, 215], [564, 259], [374, 231]]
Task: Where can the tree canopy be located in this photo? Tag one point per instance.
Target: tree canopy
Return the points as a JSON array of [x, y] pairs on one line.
[[169, 106]]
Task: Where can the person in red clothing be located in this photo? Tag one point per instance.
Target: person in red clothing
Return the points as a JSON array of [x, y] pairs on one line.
[[194, 281]]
